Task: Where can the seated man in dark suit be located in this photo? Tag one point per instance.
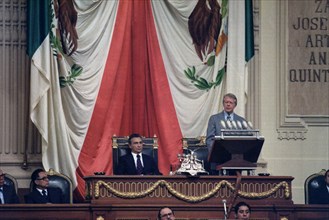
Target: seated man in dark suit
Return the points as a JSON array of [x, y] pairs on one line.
[[8, 193], [41, 193], [135, 162], [321, 194]]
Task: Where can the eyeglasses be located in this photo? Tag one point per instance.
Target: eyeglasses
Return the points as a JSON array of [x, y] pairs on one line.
[[43, 178], [166, 215]]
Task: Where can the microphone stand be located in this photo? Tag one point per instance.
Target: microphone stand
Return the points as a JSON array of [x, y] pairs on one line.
[[225, 209]]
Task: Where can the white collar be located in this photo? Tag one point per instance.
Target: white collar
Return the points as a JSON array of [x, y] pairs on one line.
[[40, 191], [135, 155]]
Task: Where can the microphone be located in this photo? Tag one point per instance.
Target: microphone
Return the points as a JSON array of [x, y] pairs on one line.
[[245, 125], [222, 123], [225, 209], [229, 124], [250, 124], [234, 125], [239, 125]]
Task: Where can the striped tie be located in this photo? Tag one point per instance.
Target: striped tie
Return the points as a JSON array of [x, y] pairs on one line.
[[139, 165], [1, 192]]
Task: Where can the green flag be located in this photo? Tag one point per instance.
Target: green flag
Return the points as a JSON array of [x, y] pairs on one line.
[[38, 23], [249, 31]]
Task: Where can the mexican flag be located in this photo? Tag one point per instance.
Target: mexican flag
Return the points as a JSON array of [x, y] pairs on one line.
[[104, 68]]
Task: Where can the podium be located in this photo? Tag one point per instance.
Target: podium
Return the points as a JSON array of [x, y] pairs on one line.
[[239, 152]]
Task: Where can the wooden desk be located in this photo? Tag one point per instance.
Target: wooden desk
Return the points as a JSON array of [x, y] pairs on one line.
[[45, 211], [186, 191]]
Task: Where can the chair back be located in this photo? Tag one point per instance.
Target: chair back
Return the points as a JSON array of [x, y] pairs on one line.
[[199, 146], [120, 148], [312, 183], [11, 181], [61, 181]]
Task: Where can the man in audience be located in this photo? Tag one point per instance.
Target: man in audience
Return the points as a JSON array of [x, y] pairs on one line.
[[135, 162], [166, 213], [41, 193], [321, 194], [242, 211], [215, 126], [8, 193]]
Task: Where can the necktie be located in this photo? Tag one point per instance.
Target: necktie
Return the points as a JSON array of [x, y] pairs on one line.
[[139, 165], [228, 118], [1, 192], [44, 194]]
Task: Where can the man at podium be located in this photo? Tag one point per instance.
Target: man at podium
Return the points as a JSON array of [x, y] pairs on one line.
[[214, 124]]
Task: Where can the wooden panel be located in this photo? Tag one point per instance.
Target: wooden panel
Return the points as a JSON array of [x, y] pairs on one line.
[[48, 211], [180, 190], [140, 212], [307, 212]]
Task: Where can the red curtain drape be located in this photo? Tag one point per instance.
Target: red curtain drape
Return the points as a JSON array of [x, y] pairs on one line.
[[134, 95]]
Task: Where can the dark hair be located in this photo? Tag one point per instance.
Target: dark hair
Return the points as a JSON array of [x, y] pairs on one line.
[[135, 135], [325, 174], [159, 212], [232, 96], [35, 174], [237, 206]]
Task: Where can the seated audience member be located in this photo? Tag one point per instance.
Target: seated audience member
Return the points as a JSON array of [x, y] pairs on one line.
[[321, 195], [242, 211], [8, 193], [166, 213], [41, 193], [135, 162]]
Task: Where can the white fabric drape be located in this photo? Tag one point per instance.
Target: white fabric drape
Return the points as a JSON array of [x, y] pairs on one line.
[[62, 115], [236, 66], [193, 106]]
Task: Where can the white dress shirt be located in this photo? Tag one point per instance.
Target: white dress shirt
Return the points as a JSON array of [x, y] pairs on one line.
[[135, 158]]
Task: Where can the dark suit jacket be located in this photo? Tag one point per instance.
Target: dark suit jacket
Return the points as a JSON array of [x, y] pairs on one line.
[[127, 166], [55, 195], [214, 129], [9, 194], [320, 196]]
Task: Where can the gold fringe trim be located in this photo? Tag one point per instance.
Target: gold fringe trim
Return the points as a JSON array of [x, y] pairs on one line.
[[191, 199]]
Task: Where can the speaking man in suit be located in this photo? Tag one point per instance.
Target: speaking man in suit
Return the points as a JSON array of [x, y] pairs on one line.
[[135, 162], [41, 193], [321, 194], [8, 193], [214, 124]]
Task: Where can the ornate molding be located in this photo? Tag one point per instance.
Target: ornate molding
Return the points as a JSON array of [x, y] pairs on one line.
[[143, 190], [291, 133], [289, 127], [294, 127]]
